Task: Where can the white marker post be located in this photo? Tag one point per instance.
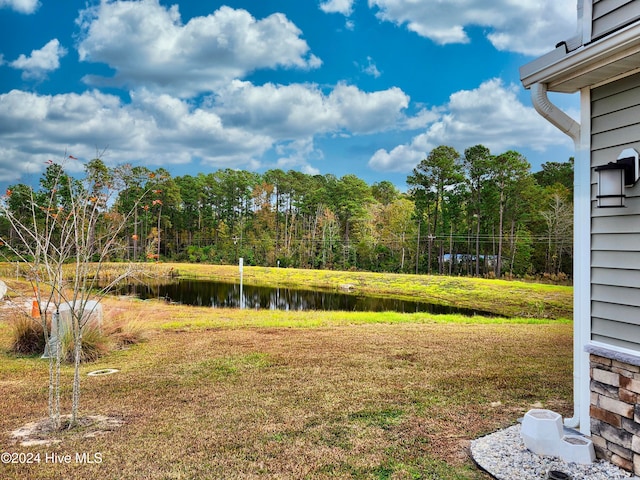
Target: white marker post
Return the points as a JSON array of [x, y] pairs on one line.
[[241, 266]]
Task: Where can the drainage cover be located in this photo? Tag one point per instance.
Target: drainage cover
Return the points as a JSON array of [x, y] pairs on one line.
[[558, 475], [104, 371]]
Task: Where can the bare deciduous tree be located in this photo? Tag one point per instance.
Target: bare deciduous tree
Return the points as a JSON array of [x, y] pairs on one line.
[[63, 234]]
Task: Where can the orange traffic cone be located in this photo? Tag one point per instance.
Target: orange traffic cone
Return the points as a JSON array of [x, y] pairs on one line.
[[35, 309]]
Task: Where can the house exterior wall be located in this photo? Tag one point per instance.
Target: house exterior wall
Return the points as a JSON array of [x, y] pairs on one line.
[[615, 282], [602, 62], [610, 15], [615, 232]]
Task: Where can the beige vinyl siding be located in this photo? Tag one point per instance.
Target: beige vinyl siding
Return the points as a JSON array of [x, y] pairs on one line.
[[610, 15], [615, 232]]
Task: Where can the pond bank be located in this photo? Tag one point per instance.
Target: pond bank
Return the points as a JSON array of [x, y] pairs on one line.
[[501, 297]]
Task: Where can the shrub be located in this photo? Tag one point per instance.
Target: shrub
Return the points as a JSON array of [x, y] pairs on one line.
[[28, 335], [125, 333], [94, 344], [28, 338]]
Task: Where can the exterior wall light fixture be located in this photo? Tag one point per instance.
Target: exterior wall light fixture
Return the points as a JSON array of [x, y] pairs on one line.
[[615, 176]]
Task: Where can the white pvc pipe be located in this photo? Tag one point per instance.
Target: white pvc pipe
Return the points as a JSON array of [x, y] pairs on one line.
[[582, 261]]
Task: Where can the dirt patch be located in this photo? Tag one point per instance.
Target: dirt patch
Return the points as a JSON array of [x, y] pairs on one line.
[[43, 432]]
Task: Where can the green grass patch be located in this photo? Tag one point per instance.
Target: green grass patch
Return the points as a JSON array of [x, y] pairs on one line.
[[384, 418], [225, 367], [283, 319]]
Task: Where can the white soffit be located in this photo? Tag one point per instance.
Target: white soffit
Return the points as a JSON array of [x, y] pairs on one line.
[[611, 56]]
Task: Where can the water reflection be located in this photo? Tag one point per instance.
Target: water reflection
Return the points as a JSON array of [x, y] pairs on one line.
[[227, 295]]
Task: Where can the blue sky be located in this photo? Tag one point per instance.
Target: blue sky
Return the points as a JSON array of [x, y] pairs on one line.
[[368, 87]]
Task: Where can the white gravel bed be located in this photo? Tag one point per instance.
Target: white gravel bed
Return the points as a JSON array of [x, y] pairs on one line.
[[503, 455]]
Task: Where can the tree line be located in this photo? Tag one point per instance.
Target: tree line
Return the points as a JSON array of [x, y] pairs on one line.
[[474, 213]]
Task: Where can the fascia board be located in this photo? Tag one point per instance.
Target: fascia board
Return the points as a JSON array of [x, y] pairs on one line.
[[558, 67]]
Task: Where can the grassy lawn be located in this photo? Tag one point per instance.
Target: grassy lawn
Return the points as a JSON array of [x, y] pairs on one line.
[[246, 394]]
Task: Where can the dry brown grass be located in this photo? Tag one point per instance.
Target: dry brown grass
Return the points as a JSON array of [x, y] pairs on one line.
[[341, 401]]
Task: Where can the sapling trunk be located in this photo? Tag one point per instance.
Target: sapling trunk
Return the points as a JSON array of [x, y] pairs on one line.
[[56, 415], [76, 372]]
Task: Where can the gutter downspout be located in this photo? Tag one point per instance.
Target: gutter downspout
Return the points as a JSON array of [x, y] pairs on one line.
[[553, 114], [570, 127]]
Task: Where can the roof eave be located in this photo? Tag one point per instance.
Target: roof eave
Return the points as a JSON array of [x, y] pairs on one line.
[[588, 65]]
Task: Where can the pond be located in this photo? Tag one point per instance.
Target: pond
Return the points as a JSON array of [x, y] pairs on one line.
[[227, 295]]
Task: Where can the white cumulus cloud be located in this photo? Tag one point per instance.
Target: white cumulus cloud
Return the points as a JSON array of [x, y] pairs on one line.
[[371, 68], [345, 7], [235, 128], [531, 27], [490, 115], [147, 44], [22, 6], [40, 62], [152, 130], [297, 154], [300, 110], [368, 112]]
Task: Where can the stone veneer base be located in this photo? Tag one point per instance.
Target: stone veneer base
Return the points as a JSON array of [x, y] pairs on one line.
[[614, 408]]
